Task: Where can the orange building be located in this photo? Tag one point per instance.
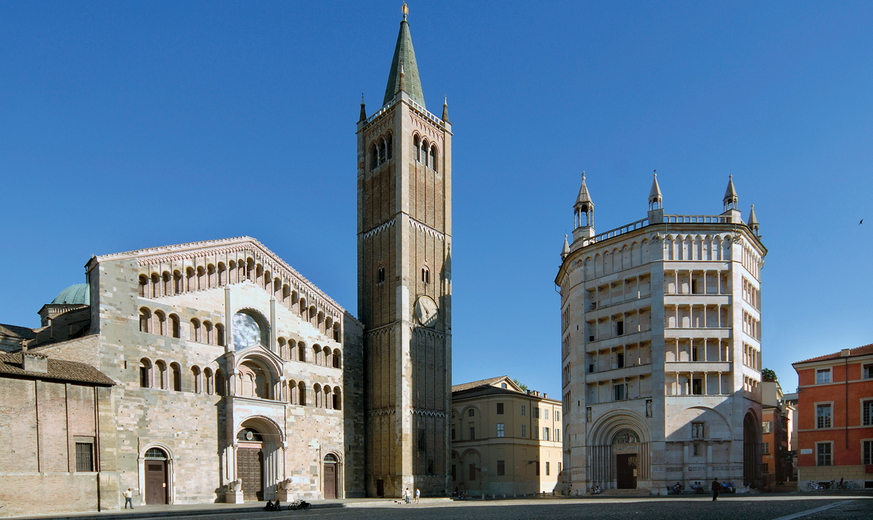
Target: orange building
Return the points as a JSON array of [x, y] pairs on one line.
[[835, 418], [776, 419]]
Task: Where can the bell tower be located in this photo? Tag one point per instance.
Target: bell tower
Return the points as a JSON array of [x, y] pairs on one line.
[[404, 283]]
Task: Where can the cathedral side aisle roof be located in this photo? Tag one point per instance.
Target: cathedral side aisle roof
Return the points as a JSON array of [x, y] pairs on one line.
[[57, 369]]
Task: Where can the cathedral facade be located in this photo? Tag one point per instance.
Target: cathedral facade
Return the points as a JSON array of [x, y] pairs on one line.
[[234, 375], [661, 348]]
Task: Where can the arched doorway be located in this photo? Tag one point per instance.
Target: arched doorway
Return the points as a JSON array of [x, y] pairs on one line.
[[751, 453], [260, 458], [625, 446], [331, 476], [156, 481], [250, 463]]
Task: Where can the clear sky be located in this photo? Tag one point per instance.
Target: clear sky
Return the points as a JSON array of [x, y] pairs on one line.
[[126, 125]]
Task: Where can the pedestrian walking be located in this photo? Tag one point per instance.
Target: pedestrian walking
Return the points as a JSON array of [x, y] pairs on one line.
[[406, 495], [716, 487], [417, 495], [128, 498]]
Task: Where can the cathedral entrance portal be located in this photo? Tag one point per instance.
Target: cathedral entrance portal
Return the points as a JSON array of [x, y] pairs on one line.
[[250, 464], [251, 470]]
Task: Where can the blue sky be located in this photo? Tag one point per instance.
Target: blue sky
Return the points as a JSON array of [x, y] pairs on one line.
[[126, 125]]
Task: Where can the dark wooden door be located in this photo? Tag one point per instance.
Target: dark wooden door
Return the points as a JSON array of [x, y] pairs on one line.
[[155, 482], [330, 481], [250, 470], [626, 471], [380, 488]]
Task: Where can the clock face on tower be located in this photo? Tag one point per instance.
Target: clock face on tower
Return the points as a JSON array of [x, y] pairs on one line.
[[426, 311]]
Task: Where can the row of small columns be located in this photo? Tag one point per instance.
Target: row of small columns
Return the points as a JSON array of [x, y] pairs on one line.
[[624, 283], [723, 350], [691, 382], [722, 288], [624, 348], [691, 307]]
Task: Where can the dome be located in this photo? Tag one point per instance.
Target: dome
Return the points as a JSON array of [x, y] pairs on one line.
[[79, 294]]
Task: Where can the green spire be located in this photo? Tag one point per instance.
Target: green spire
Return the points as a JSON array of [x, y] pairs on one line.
[[404, 70]]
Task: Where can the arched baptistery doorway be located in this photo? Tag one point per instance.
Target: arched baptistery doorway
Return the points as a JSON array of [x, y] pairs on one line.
[[258, 458], [619, 456], [751, 450]]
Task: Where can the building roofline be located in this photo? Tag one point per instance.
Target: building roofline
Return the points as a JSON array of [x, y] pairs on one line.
[[865, 350]]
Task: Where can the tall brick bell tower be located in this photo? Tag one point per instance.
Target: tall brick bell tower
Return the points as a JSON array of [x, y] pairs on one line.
[[404, 283]]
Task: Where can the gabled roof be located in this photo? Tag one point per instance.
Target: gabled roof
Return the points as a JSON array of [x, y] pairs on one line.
[[157, 255], [866, 350], [58, 370], [494, 381]]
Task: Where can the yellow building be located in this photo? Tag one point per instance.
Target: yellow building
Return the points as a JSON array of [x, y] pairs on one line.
[[504, 440]]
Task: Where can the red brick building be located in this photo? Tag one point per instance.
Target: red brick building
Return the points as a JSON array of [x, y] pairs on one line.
[[835, 414]]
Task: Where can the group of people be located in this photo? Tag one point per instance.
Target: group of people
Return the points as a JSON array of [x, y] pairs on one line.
[[407, 496], [717, 487]]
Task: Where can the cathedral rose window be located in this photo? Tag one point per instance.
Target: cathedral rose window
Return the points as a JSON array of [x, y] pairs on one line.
[[246, 331]]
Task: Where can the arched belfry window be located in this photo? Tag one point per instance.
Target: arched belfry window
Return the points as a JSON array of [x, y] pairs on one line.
[[416, 145], [374, 157], [389, 142], [380, 275], [433, 155], [425, 274], [248, 331]]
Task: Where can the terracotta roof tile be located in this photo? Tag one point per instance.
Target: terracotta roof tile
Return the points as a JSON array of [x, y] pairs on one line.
[[58, 369], [866, 350], [474, 384]]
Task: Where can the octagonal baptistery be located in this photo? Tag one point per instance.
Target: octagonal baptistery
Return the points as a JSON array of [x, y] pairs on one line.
[[237, 378], [661, 349]]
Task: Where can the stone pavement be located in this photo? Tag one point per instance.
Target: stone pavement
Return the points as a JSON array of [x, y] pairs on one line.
[[219, 508], [766, 506]]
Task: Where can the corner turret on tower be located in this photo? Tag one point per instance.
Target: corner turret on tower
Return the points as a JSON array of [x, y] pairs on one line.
[[583, 213], [656, 202], [403, 76], [753, 222], [732, 202]]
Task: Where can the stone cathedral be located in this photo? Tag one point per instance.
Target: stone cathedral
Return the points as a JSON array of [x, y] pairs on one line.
[[404, 283], [213, 371]]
